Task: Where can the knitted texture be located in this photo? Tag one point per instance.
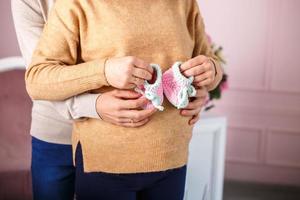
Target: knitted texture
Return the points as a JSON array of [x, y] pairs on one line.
[[178, 88], [153, 91], [80, 36], [29, 19]]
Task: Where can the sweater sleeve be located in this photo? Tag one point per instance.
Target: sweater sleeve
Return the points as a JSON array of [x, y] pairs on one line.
[[29, 23], [78, 107], [54, 73], [202, 46]]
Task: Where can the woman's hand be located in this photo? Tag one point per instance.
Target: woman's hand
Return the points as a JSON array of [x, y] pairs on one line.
[[122, 108], [202, 68], [127, 72], [194, 107]]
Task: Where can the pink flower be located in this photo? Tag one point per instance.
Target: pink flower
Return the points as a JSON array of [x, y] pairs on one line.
[[224, 86], [209, 39]]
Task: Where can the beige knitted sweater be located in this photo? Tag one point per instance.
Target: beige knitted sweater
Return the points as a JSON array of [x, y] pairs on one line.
[[51, 121], [70, 58]]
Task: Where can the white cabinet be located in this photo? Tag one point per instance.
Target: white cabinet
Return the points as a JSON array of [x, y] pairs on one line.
[[205, 171]]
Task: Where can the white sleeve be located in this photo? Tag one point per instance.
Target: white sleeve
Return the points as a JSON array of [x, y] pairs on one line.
[[29, 23]]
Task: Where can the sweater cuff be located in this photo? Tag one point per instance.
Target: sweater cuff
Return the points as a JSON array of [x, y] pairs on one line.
[[98, 69], [86, 106]]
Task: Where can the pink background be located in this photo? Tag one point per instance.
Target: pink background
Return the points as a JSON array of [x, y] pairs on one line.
[[8, 41], [261, 45]]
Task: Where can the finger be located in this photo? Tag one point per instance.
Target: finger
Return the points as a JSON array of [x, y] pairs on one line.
[[139, 63], [135, 124], [130, 86], [114, 119], [201, 93], [126, 94], [137, 115], [208, 65], [195, 104], [205, 82], [137, 81], [188, 113], [133, 103], [198, 60], [213, 67], [199, 69], [142, 73], [203, 76], [122, 120], [194, 71], [125, 120], [194, 119]]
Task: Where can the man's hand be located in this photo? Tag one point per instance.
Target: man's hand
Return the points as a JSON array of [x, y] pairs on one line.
[[123, 108], [194, 107], [202, 68], [127, 72]]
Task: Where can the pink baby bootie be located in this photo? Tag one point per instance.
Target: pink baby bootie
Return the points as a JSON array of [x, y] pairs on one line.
[[153, 89], [178, 88]]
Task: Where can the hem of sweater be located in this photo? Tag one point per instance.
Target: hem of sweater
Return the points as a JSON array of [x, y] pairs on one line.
[[146, 167], [47, 125], [53, 132], [49, 139]]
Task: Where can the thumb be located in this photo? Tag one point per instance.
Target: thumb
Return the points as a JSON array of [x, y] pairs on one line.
[[127, 94]]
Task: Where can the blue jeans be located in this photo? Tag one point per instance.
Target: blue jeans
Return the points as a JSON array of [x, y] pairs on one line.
[[164, 185], [53, 173]]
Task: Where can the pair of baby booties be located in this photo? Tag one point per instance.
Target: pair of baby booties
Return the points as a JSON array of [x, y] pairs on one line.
[[172, 83]]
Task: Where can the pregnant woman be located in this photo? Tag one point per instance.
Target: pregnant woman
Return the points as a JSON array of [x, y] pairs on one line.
[[99, 46], [52, 170]]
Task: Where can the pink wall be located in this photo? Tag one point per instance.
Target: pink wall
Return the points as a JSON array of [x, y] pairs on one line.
[[8, 41], [15, 148], [262, 46]]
